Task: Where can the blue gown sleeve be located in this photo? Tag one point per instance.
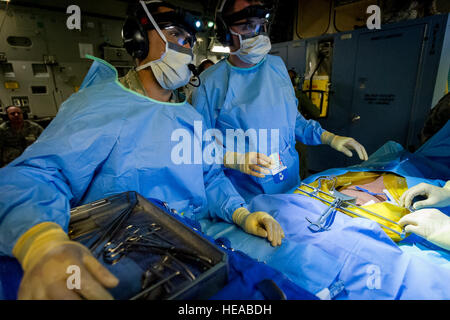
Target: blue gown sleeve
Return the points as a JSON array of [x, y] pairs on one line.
[[223, 198], [53, 173], [308, 132]]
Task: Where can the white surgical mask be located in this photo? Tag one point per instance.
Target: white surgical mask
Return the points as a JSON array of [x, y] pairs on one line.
[[253, 50], [172, 69]]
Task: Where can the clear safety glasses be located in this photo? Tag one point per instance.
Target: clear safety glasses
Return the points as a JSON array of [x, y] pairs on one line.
[[251, 27], [179, 36]]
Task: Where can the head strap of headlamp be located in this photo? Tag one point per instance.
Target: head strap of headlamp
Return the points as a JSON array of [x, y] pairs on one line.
[[178, 17], [137, 25], [256, 11]]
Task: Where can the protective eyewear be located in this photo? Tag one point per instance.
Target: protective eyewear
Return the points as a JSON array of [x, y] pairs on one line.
[[178, 36], [251, 27], [183, 19]]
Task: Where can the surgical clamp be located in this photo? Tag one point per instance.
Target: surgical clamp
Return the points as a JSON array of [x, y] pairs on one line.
[[348, 204], [321, 224]]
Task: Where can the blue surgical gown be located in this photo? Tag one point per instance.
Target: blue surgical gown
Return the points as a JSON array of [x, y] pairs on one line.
[[260, 98], [107, 140]]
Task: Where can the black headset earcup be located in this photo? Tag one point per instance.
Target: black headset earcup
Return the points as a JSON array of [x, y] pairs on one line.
[[223, 35], [135, 38]]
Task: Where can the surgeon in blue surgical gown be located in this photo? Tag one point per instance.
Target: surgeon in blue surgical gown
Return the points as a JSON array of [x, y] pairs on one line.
[[251, 90], [107, 139]]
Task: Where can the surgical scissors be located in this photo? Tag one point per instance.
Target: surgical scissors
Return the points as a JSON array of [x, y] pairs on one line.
[[150, 241], [113, 253]]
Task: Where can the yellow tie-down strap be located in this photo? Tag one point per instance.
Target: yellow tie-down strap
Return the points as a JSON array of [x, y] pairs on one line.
[[387, 215]]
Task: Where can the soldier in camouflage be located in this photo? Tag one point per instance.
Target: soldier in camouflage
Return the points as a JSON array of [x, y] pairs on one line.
[[16, 135], [132, 82]]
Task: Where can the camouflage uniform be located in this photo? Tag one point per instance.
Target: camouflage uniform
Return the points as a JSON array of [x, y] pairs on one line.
[[13, 144], [131, 81]]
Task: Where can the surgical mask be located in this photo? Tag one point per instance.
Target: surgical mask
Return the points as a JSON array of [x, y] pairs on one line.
[[253, 50], [172, 69]]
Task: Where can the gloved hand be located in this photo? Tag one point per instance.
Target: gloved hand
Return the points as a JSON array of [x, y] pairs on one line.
[[260, 224], [45, 253], [252, 163], [436, 197], [431, 224], [344, 145]]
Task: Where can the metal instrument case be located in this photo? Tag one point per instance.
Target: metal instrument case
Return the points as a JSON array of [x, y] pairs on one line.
[[89, 219]]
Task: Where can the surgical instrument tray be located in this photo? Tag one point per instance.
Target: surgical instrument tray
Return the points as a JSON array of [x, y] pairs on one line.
[[154, 255]]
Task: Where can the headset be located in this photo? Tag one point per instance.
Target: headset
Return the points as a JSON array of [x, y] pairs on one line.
[[134, 31], [223, 33], [135, 38]]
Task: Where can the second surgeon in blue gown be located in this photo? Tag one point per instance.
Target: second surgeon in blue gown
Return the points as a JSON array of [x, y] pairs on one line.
[[251, 90], [108, 139]]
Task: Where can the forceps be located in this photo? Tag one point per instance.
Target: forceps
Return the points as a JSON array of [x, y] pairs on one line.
[[321, 223]]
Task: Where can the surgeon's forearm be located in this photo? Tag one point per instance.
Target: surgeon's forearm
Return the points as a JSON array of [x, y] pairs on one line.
[[231, 160], [239, 216], [223, 198], [447, 185], [27, 201], [308, 132], [442, 238], [38, 240], [327, 137]]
